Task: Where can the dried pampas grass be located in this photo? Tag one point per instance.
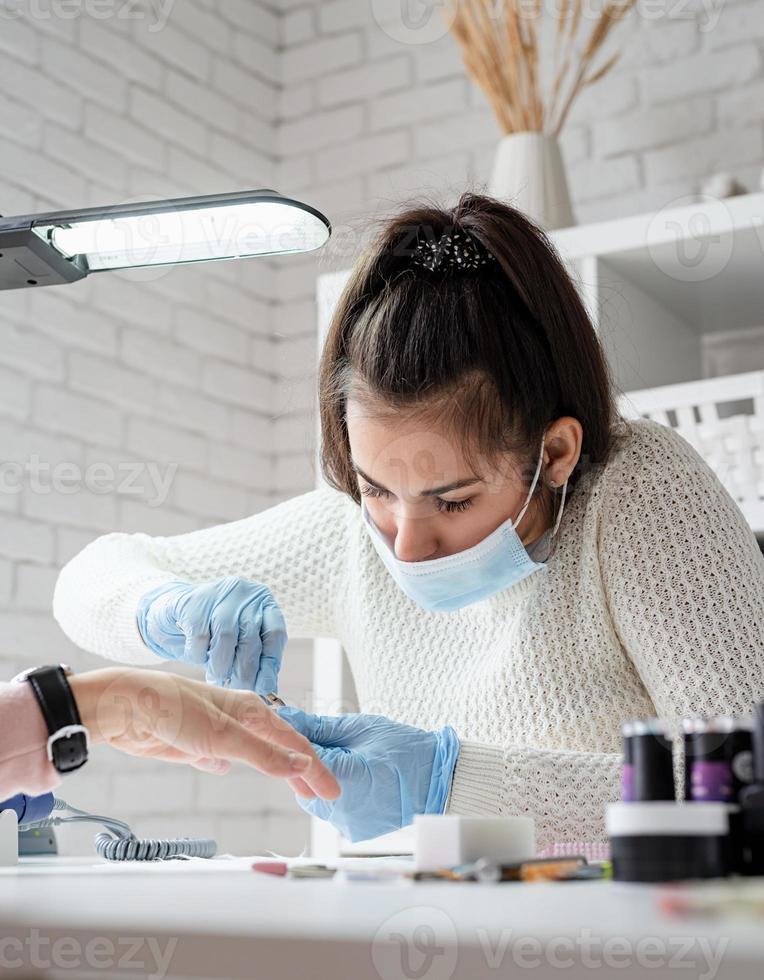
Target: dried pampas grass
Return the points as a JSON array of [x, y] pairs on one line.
[[499, 44]]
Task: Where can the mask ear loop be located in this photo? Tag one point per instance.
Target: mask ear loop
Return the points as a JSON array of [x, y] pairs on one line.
[[562, 508], [533, 484]]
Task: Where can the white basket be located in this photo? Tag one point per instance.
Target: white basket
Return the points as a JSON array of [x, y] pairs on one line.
[[727, 434]]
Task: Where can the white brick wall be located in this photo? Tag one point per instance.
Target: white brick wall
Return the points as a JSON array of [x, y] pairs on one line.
[[176, 372], [184, 369]]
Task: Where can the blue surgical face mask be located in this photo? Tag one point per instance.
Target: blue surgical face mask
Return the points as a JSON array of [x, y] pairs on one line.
[[444, 584]]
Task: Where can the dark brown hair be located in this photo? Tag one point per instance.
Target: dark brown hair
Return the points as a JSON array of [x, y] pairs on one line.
[[493, 354]]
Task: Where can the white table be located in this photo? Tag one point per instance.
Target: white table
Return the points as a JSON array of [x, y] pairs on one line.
[[76, 919]]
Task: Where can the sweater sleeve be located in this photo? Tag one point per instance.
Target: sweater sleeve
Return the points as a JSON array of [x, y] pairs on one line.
[[297, 548], [683, 579], [565, 792]]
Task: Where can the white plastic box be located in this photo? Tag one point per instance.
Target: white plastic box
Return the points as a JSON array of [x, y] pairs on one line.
[[448, 840]]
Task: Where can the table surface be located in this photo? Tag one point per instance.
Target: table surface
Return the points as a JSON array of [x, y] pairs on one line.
[[220, 919]]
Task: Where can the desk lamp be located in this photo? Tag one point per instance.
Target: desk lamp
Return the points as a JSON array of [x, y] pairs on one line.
[[65, 246]]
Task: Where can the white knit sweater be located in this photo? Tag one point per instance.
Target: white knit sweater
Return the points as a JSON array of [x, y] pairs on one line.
[[652, 602]]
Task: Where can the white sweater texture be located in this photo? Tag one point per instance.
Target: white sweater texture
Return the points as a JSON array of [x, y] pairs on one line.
[[651, 603]]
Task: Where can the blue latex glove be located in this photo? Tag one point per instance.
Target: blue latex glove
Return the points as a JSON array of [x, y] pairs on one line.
[[387, 772], [232, 627]]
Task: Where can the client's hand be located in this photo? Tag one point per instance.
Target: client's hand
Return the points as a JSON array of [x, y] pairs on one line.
[[387, 772], [159, 715]]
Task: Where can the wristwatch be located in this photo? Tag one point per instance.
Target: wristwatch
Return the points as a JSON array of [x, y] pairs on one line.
[[68, 739]]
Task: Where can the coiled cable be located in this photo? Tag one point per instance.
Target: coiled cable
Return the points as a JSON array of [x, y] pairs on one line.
[[133, 849], [119, 843]]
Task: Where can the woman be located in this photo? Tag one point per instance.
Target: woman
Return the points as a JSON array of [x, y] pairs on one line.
[[512, 570]]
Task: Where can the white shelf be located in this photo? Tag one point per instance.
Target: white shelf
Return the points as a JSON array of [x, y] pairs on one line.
[[702, 261]]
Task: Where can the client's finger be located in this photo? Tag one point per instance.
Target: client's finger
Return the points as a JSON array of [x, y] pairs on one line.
[[216, 767], [301, 788], [250, 710], [171, 753], [231, 740]]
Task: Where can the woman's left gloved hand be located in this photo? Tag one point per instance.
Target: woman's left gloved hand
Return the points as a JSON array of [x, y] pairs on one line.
[[387, 772]]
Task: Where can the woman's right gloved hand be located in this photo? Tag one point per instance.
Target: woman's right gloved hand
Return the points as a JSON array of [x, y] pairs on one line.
[[232, 627]]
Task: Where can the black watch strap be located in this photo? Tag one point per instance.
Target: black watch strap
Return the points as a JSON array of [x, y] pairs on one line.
[[68, 740]]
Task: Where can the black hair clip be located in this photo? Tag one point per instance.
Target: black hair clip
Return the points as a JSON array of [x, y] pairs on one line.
[[455, 250]]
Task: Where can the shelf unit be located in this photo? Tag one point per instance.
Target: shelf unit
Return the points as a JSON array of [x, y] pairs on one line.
[[654, 285]]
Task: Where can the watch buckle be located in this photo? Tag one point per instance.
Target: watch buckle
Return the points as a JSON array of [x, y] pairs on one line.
[[66, 732]]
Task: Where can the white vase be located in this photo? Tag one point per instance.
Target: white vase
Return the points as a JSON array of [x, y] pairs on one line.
[[529, 173]]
